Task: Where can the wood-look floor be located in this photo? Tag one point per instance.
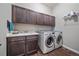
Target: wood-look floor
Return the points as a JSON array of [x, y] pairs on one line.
[[57, 52]]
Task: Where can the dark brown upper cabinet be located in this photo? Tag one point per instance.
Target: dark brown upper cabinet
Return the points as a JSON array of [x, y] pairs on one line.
[[52, 21], [39, 18], [19, 14], [46, 20], [23, 15], [28, 21], [32, 17]]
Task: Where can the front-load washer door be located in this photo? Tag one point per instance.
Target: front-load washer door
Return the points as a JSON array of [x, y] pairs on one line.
[[59, 40], [49, 42]]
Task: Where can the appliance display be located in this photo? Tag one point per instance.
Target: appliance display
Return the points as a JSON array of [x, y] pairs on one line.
[[46, 41]]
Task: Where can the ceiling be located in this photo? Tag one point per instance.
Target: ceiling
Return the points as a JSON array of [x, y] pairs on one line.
[[50, 5]]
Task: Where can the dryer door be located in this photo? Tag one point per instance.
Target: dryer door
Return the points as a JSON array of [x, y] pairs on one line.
[[49, 41], [59, 39]]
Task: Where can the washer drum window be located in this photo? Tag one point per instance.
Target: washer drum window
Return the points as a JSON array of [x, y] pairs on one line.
[[59, 39], [49, 42]]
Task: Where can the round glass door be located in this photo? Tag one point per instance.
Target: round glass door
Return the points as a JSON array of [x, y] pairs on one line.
[[49, 42], [59, 39]]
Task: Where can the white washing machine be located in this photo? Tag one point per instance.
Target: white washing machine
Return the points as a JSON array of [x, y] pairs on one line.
[[58, 39], [46, 41]]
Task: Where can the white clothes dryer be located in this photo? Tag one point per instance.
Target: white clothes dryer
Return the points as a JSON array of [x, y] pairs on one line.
[[58, 39]]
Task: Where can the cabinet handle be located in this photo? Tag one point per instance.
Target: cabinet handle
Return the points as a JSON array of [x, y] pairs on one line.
[[0, 44]]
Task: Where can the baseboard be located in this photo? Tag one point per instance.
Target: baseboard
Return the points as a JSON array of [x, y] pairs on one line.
[[71, 49]]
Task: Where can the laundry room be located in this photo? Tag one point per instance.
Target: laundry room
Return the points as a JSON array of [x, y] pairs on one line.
[[39, 29]]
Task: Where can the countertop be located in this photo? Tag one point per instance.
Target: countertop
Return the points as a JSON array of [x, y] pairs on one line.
[[21, 34]]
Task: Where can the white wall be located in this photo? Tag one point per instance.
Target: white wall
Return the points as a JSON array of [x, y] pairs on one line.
[[4, 15], [71, 32], [38, 7]]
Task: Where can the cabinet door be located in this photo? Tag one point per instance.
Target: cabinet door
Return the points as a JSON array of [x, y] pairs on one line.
[[19, 14], [13, 13], [28, 21], [46, 20], [31, 45], [15, 46], [52, 21], [40, 18], [32, 17]]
